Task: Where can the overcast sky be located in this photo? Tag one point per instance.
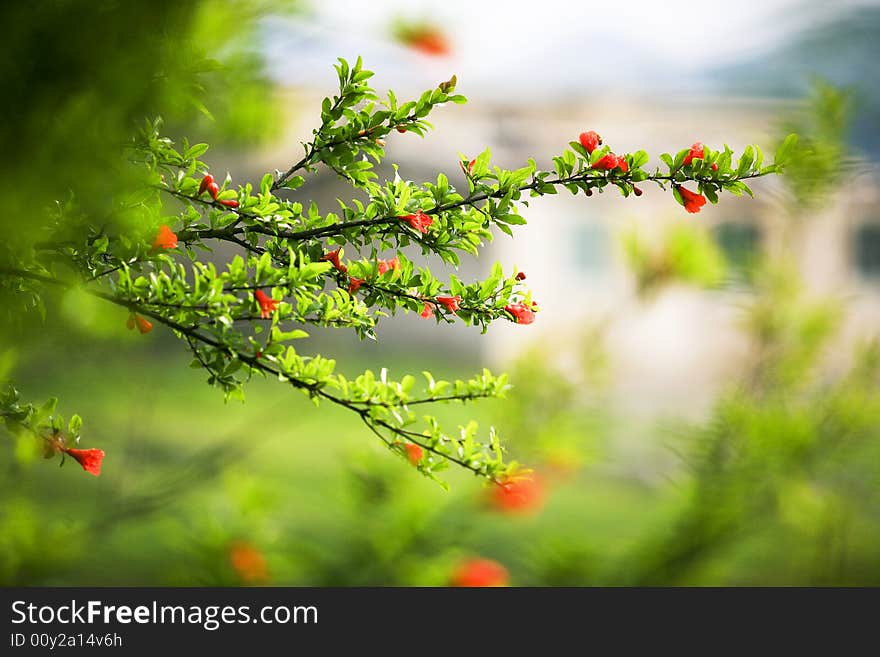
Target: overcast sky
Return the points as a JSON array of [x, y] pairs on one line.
[[552, 46]]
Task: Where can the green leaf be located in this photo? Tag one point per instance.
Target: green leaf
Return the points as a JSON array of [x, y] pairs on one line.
[[786, 149]]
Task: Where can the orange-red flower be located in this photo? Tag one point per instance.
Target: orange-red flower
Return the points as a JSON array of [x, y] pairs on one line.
[[692, 201], [165, 238], [267, 304], [354, 284], [590, 140], [622, 164], [521, 313], [607, 162], [518, 495], [386, 265], [207, 180], [333, 258], [419, 221], [479, 572], [89, 459], [452, 304], [414, 453], [248, 563], [229, 203], [427, 311], [697, 151]]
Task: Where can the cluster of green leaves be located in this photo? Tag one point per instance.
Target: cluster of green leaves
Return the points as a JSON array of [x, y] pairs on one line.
[[26, 420], [293, 253]]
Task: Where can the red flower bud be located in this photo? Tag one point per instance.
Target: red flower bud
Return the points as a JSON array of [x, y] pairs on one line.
[[165, 238], [637, 191], [714, 166], [479, 572], [521, 276], [207, 180], [89, 459], [213, 189], [590, 140], [692, 201], [143, 324], [400, 129], [229, 203]]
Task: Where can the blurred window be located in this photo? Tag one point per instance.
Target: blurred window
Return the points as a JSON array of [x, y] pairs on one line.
[[867, 250], [590, 244], [740, 241]]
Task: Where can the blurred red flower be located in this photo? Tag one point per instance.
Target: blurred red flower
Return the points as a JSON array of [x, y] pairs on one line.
[[518, 495], [479, 572], [427, 311], [354, 284], [165, 238], [248, 563], [414, 453]]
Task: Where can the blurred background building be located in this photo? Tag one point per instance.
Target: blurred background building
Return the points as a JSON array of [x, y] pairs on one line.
[[657, 76]]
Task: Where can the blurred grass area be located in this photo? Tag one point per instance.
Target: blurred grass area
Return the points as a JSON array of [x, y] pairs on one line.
[[187, 476]]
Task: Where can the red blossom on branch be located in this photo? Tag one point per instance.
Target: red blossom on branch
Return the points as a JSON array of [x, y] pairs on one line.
[[452, 304], [697, 151], [267, 304], [333, 258], [207, 180], [229, 203], [521, 276], [419, 221], [607, 162], [386, 265], [414, 453], [590, 140], [427, 311], [521, 313], [141, 323], [89, 459], [165, 238], [518, 495], [691, 200], [479, 573], [354, 284]]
